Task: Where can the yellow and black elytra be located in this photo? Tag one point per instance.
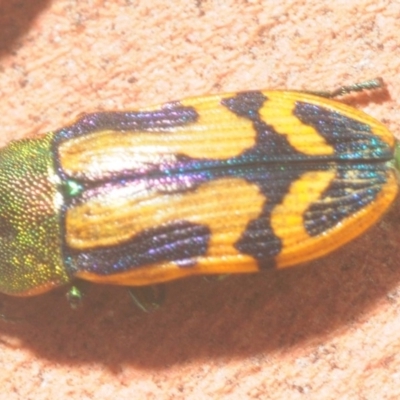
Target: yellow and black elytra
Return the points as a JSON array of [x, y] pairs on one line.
[[229, 183]]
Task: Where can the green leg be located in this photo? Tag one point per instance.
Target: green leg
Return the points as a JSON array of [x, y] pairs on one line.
[[74, 297]]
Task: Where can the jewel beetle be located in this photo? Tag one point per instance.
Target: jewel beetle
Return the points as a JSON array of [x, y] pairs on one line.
[[220, 184]]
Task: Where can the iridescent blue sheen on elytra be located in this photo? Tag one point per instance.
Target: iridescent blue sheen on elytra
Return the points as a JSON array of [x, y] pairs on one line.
[[272, 164]]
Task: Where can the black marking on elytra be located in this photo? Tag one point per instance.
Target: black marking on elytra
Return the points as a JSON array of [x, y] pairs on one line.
[[172, 115], [351, 139], [273, 178], [259, 239], [353, 188], [270, 147], [181, 242], [246, 104], [359, 180]]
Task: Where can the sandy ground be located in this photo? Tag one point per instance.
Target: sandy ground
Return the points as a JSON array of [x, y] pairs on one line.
[[328, 330]]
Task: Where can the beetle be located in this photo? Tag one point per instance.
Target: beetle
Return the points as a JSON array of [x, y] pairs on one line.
[[221, 184]]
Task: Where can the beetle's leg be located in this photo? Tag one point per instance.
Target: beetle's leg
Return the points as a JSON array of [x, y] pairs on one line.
[[74, 297], [371, 84], [148, 298]]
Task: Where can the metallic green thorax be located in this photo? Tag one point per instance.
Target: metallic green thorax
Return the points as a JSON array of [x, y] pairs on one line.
[[30, 207]]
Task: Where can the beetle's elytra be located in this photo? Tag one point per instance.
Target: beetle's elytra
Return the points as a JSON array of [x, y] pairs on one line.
[[219, 184]]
